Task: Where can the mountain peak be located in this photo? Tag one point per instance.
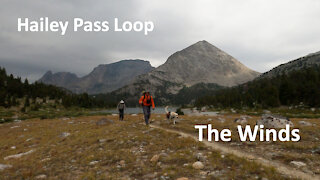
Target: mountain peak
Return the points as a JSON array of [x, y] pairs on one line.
[[203, 62], [201, 44]]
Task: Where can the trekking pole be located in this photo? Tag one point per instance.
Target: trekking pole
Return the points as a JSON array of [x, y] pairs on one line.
[[141, 112]]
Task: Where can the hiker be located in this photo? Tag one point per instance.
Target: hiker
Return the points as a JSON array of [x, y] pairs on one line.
[[121, 106], [146, 101]]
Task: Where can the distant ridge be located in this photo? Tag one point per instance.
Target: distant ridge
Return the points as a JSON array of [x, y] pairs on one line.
[[104, 78]]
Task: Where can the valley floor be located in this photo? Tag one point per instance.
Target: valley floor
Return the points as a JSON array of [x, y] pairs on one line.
[[101, 147]]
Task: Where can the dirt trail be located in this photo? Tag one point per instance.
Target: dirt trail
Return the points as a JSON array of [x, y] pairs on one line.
[[282, 168]]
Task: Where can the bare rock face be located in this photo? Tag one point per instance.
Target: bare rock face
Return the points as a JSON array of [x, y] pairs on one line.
[[203, 62], [272, 121]]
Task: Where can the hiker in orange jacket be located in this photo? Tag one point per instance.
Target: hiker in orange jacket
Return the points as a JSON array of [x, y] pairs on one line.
[[146, 101]]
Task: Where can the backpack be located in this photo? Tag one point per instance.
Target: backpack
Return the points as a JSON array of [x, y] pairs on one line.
[[148, 100], [121, 106]]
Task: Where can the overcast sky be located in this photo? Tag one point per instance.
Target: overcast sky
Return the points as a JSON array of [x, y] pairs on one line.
[[259, 33]]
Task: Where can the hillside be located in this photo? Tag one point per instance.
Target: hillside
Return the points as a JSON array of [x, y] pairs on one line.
[[298, 87], [103, 78], [302, 62], [24, 97]]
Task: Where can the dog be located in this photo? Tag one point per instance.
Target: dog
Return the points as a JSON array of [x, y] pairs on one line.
[[171, 115]]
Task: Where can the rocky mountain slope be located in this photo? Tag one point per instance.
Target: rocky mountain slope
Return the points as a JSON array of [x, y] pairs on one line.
[[203, 62], [104, 78], [302, 62], [199, 63], [61, 79]]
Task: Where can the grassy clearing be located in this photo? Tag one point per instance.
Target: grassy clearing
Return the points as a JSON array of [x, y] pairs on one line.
[[116, 150]]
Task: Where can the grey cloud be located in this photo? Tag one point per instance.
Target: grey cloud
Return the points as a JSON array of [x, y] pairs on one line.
[[261, 34]]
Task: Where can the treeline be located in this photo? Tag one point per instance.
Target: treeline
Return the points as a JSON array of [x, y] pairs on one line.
[[292, 88], [14, 91], [186, 96]]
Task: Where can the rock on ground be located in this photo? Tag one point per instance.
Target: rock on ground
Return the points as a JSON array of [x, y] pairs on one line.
[[200, 157], [65, 134], [93, 162], [41, 176], [102, 140], [16, 156], [266, 111], [304, 123], [272, 121], [198, 165], [222, 120], [241, 120], [4, 166], [182, 178], [298, 164], [155, 158]]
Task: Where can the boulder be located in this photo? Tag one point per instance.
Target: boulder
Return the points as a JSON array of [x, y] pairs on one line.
[[198, 165], [273, 121], [298, 164]]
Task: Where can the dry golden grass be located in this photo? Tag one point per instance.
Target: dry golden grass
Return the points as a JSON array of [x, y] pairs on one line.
[[118, 150], [283, 152]]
